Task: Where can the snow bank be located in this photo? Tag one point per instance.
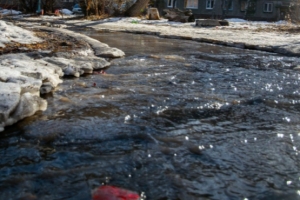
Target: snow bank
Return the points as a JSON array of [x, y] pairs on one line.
[[10, 33], [24, 76], [66, 12], [281, 22], [131, 22], [256, 23], [9, 12], [236, 20]]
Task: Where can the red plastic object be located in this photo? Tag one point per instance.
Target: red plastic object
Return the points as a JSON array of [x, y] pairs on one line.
[[107, 192]]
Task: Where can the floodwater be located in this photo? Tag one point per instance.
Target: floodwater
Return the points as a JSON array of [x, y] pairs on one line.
[[173, 120]]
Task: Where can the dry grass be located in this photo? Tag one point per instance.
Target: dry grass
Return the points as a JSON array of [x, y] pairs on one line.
[[51, 41], [289, 28], [280, 28], [97, 17], [17, 47]]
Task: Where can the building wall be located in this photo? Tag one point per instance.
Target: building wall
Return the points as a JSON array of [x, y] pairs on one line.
[[257, 12]]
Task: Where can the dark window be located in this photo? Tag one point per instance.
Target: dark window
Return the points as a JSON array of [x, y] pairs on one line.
[[228, 5], [210, 4], [243, 5], [268, 7], [171, 3]]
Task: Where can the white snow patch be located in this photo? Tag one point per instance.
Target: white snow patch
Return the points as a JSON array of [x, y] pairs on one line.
[[236, 20], [86, 52], [66, 12], [10, 33], [10, 12]]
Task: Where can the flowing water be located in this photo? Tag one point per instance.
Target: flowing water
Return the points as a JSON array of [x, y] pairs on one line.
[[173, 119]]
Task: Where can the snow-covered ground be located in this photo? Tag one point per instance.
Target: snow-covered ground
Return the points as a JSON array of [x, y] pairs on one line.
[[66, 12], [4, 12], [240, 33], [234, 22], [266, 36], [129, 21], [10, 33], [239, 30]]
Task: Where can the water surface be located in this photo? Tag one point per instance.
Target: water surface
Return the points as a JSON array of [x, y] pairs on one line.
[[173, 119]]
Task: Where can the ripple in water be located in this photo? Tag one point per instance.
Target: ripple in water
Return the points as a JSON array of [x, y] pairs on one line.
[[202, 125]]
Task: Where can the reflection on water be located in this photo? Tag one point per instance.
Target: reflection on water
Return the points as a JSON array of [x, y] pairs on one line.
[[174, 119]]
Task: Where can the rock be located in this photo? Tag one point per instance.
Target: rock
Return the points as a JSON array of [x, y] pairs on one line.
[[46, 24], [211, 22], [175, 58], [46, 88], [153, 14], [108, 52], [224, 22], [178, 15], [297, 67], [56, 25], [70, 70], [207, 22]]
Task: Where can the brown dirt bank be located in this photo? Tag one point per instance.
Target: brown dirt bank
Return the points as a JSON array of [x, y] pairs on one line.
[[52, 41]]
